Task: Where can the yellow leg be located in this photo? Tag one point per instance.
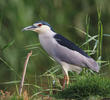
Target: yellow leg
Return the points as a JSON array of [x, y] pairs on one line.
[[65, 68], [66, 80]]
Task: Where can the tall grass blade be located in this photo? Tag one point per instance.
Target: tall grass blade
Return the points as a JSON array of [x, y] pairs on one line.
[[8, 45], [100, 34], [87, 31]]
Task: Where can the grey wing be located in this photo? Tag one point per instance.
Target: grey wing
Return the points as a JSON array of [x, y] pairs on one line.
[[75, 58]]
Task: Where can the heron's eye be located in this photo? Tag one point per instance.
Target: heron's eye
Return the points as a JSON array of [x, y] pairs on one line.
[[39, 25]]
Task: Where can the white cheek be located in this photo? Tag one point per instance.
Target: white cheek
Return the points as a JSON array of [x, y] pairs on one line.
[[37, 29], [42, 29]]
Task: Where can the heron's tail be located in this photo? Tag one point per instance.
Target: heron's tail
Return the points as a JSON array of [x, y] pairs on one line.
[[92, 64]]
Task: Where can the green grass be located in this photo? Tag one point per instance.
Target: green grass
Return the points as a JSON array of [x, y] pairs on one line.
[[85, 86]]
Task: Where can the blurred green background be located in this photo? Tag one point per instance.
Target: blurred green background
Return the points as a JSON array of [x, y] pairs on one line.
[[62, 15]]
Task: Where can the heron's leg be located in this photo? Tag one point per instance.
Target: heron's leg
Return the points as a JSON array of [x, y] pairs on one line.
[[67, 80], [65, 69], [64, 81]]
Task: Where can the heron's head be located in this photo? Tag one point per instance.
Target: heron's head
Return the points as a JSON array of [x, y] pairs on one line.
[[39, 27]]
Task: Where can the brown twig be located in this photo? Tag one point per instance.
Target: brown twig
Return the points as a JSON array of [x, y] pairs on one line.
[[24, 72]]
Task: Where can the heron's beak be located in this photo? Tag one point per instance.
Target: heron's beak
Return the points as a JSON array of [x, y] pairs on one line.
[[31, 28]]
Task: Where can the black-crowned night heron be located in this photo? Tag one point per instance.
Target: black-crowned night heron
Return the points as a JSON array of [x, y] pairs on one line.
[[66, 53]]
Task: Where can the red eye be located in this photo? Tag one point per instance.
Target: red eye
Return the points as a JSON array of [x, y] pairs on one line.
[[39, 25]]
